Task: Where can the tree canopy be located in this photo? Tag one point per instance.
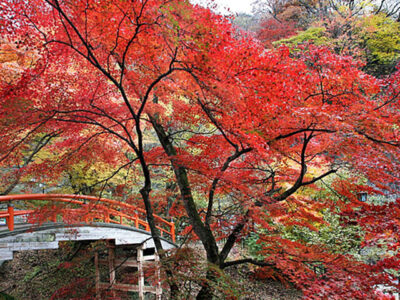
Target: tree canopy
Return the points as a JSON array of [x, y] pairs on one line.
[[232, 139]]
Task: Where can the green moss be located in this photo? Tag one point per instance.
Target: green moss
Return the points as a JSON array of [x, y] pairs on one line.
[[4, 296]]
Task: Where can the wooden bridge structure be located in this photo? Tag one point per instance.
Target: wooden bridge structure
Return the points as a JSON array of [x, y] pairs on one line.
[[41, 221]]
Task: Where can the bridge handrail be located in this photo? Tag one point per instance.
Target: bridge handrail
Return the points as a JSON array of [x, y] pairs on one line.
[[97, 202]]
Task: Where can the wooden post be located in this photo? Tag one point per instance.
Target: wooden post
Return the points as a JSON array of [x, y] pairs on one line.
[[86, 213], [111, 261], [97, 275], [158, 276], [140, 271], [173, 232], [10, 218], [136, 221], [107, 216], [111, 265], [53, 214]]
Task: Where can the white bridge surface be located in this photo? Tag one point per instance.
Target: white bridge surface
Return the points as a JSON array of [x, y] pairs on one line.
[[48, 235]]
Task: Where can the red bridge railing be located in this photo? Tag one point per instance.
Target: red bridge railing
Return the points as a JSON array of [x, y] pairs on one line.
[[78, 208]]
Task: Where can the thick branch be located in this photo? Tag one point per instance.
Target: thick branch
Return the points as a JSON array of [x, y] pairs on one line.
[[232, 238], [299, 181], [315, 179], [284, 136], [259, 263], [214, 184], [375, 140]]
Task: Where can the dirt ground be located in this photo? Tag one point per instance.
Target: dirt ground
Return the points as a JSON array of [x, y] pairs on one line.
[[34, 275]]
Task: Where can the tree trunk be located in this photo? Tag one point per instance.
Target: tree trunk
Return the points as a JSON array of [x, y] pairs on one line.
[[206, 291], [203, 231]]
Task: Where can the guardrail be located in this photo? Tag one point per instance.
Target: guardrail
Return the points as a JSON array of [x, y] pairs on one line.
[[79, 208]]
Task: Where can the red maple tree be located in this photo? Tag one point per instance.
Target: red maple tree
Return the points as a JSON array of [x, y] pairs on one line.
[[248, 129]]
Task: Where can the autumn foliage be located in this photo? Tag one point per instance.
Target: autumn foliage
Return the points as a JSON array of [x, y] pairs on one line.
[[233, 138]]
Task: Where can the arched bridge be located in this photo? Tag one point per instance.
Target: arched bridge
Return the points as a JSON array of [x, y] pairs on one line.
[[40, 221]]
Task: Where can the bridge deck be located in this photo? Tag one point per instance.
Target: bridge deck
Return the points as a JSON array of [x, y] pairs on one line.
[[47, 236]]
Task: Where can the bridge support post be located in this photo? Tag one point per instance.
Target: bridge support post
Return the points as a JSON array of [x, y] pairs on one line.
[[111, 261], [140, 271], [111, 264], [158, 276], [97, 275]]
